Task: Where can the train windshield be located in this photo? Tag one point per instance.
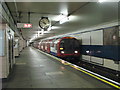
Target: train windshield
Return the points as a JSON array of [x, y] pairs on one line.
[[70, 45]]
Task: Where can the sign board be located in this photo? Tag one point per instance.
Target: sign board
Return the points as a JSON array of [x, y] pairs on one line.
[[2, 43], [24, 25], [27, 25]]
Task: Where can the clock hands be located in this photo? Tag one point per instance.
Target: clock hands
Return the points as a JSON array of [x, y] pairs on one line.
[[44, 23]]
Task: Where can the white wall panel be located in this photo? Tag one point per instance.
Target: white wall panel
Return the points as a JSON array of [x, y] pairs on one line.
[[0, 8], [97, 37], [85, 38], [77, 36], [119, 31], [2, 44], [96, 60], [86, 57], [110, 64]]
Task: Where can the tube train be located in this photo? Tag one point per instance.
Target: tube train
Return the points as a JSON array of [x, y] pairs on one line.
[[63, 47]]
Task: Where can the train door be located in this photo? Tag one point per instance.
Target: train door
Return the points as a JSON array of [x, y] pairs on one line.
[[10, 51]]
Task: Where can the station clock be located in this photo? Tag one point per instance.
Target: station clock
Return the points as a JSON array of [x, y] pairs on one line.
[[44, 23]]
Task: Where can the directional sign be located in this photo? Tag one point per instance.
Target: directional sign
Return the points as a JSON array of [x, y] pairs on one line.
[[27, 25], [24, 25]]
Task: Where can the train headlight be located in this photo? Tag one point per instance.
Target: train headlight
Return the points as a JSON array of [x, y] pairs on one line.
[[61, 48], [76, 51], [87, 51], [62, 52]]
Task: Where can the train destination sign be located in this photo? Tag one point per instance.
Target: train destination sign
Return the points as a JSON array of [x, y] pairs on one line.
[[27, 25], [24, 25]]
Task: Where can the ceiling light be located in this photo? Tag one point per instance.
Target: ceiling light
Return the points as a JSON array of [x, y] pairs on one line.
[[55, 27], [102, 1], [39, 33], [65, 19], [42, 31], [49, 28], [59, 17]]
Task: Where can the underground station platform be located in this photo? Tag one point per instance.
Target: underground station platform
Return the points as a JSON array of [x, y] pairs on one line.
[[36, 69]]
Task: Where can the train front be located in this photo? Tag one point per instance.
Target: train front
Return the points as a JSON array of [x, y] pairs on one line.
[[69, 47]]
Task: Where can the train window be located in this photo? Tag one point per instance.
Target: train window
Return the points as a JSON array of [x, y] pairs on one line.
[[69, 44], [62, 44], [55, 46], [52, 44]]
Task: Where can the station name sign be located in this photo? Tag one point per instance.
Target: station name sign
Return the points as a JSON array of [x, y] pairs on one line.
[[24, 25]]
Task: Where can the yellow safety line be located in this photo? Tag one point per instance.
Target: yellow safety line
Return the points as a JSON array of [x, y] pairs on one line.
[[96, 77], [83, 71]]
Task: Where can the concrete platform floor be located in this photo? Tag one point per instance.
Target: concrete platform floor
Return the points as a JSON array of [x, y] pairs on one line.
[[36, 70]]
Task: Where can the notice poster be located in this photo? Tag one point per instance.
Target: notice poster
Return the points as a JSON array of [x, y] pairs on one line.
[[1, 43]]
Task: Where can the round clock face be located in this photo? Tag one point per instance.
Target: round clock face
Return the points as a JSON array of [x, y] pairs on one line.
[[44, 23]]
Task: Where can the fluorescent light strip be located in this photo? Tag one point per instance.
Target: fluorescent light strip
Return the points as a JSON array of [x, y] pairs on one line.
[[65, 19]]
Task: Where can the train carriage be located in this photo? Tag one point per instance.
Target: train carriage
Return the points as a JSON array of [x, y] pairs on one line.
[[63, 47]]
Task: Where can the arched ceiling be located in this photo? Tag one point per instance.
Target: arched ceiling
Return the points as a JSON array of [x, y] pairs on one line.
[[82, 14]]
